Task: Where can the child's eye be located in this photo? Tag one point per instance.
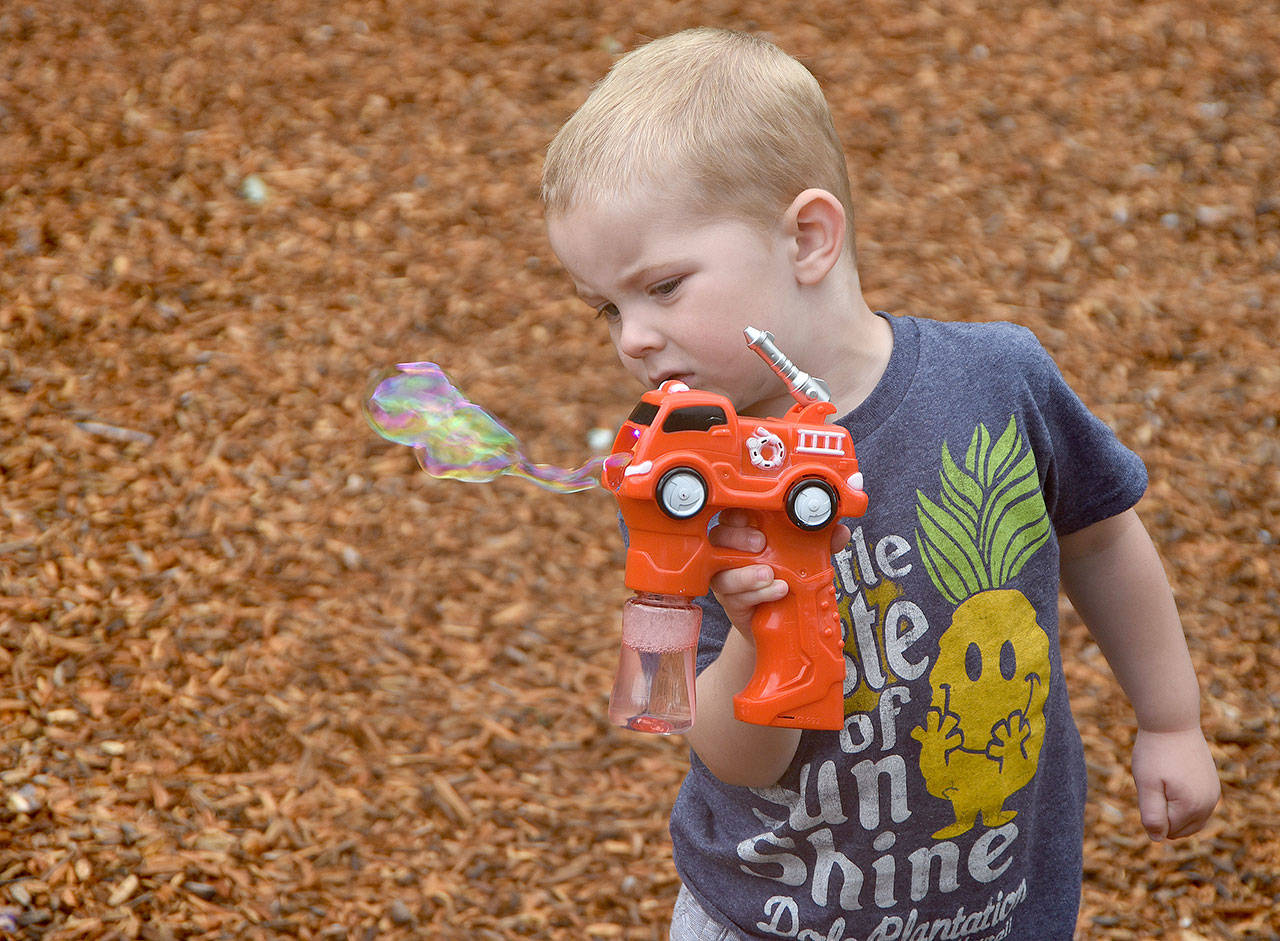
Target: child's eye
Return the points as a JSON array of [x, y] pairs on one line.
[[668, 287], [608, 312]]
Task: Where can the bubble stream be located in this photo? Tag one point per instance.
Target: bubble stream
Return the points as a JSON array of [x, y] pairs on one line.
[[416, 405]]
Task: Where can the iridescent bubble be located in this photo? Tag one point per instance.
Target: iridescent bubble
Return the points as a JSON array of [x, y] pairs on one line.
[[414, 404]]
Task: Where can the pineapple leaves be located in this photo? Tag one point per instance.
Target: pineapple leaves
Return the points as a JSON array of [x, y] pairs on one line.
[[1006, 450], [960, 490], [989, 519], [949, 550]]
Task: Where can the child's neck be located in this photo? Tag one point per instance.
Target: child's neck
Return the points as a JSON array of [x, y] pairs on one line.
[[849, 351], [859, 356], [854, 344]]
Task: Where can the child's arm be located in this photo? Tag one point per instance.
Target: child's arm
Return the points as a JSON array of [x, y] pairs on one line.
[[1113, 576], [738, 752]]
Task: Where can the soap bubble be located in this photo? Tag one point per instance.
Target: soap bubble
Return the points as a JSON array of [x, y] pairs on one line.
[[414, 404]]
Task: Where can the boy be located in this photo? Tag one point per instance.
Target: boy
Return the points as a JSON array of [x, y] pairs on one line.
[[702, 188]]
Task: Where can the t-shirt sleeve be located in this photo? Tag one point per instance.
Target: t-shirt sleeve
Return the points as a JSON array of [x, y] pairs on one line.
[[1088, 475], [715, 630]]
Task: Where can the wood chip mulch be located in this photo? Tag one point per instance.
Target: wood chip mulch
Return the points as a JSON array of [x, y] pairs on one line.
[[260, 677]]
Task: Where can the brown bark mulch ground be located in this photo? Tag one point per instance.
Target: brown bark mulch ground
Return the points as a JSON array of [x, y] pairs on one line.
[[260, 677]]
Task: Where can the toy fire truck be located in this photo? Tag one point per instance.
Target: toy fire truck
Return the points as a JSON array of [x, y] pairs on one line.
[[682, 456]]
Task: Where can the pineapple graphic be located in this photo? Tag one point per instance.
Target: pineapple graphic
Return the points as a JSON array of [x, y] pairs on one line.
[[981, 737]]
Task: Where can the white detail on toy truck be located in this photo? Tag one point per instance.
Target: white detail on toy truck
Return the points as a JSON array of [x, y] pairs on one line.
[[765, 450], [817, 441]]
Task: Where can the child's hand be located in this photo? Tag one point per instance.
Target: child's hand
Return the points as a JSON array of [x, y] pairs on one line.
[[739, 590], [1177, 782]]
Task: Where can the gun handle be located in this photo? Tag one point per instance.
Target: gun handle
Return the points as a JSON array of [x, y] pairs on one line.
[[799, 671]]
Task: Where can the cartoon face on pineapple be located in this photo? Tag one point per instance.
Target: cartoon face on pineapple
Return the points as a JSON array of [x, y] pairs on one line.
[[982, 734], [981, 737]]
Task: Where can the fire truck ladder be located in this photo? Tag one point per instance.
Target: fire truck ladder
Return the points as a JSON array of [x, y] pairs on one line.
[[816, 441]]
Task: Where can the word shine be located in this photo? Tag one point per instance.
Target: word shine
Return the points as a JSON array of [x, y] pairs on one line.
[[767, 856]]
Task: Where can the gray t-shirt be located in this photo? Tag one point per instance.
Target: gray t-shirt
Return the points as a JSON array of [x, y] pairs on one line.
[[951, 804]]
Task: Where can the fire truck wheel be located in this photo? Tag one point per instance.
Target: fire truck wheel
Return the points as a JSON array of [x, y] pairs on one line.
[[812, 504], [682, 493]]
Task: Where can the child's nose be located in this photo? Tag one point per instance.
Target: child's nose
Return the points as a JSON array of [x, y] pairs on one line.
[[639, 336]]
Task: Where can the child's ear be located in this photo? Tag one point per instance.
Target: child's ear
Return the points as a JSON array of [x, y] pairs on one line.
[[816, 224]]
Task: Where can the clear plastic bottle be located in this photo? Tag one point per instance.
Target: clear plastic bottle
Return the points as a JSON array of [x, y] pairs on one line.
[[654, 688]]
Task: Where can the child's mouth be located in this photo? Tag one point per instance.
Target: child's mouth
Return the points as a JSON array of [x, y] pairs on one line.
[[686, 378]]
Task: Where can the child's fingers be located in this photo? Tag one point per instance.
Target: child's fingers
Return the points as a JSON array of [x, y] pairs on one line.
[[1177, 782], [1184, 821], [1190, 809], [734, 533], [734, 516], [749, 580], [740, 590], [1169, 814]]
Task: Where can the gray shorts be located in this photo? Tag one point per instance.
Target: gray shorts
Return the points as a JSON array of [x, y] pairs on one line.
[[690, 921]]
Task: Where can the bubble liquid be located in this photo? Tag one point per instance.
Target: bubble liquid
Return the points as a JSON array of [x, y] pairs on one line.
[[654, 687]]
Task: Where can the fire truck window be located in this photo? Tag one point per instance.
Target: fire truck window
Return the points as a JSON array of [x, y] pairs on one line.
[[695, 418], [643, 413]]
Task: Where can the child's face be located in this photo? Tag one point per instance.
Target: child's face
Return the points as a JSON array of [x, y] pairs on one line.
[[676, 289]]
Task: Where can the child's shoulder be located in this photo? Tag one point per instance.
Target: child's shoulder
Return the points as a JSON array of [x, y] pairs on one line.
[[994, 335], [995, 344]]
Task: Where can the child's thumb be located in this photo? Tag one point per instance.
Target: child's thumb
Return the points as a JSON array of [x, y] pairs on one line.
[[1153, 807]]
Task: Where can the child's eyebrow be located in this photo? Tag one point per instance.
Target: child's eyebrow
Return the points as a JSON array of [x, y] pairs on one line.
[[631, 278], [642, 275]]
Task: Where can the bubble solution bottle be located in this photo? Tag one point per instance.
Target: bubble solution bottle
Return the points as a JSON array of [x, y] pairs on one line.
[[654, 688]]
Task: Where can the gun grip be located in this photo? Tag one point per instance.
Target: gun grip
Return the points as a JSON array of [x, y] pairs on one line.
[[799, 671]]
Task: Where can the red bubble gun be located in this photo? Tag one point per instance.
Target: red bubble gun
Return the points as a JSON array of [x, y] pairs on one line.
[[681, 457]]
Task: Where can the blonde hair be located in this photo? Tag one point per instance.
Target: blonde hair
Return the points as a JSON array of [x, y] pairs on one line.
[[742, 126]]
